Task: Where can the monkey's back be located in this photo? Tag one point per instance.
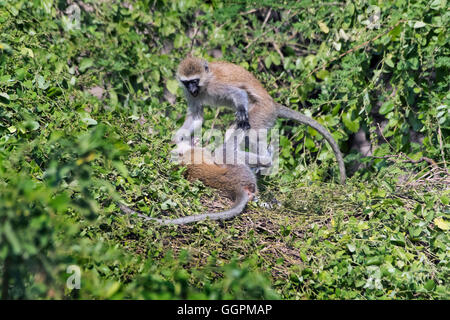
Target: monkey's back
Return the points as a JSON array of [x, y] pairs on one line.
[[233, 74], [262, 109], [229, 179]]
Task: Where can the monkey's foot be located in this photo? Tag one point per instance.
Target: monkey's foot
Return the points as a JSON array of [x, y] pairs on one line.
[[244, 125], [242, 119]]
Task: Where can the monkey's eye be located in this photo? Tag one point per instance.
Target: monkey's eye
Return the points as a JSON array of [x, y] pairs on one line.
[[193, 81]]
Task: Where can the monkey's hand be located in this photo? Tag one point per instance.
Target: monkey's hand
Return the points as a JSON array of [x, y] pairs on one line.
[[242, 118]]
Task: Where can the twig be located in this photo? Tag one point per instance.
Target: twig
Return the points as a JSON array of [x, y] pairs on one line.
[[277, 49], [382, 135], [193, 37], [265, 32], [264, 67], [430, 161], [248, 12], [267, 18], [441, 147]]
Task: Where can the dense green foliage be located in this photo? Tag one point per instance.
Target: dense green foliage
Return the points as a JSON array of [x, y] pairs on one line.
[[88, 104]]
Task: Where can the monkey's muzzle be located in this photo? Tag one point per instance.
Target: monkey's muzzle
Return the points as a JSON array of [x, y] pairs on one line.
[[193, 89], [192, 86]]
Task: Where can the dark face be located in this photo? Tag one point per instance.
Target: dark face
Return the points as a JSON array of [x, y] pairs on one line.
[[192, 86]]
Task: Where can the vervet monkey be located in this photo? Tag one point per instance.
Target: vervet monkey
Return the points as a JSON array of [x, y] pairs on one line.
[[235, 181], [226, 84]]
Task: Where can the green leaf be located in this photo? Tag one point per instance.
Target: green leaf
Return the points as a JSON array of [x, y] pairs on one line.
[[374, 261], [416, 156], [4, 96], [387, 107], [155, 75], [352, 125], [276, 60], [85, 64], [445, 200], [309, 143], [11, 237], [323, 27], [394, 33], [166, 204], [389, 62], [111, 288], [54, 91], [178, 42], [5, 47], [172, 86], [60, 202], [268, 61], [42, 84], [89, 121], [397, 239], [413, 63], [442, 224], [437, 4], [322, 74], [430, 285], [419, 24], [31, 125], [27, 52]]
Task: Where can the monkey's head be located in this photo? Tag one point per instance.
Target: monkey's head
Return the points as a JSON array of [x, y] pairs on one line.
[[182, 152], [191, 153], [192, 74]]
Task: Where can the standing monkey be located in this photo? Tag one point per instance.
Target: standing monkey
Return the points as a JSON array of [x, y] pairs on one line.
[[226, 84]]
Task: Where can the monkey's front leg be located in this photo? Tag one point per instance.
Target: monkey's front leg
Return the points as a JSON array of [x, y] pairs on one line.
[[192, 123], [242, 118], [240, 101]]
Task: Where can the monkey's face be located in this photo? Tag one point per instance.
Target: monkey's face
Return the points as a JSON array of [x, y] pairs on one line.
[[180, 153], [192, 86]]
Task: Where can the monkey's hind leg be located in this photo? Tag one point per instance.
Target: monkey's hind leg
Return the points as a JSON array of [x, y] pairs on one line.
[[232, 150], [229, 155]]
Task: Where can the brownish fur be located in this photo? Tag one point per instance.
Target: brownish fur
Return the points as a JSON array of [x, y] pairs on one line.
[[235, 181], [219, 77], [235, 75], [229, 179], [190, 66], [262, 109]]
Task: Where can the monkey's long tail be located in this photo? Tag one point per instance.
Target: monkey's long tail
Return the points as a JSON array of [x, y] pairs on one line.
[[287, 113], [238, 206]]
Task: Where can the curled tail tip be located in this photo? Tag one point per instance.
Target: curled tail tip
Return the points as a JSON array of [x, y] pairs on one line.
[[236, 209]]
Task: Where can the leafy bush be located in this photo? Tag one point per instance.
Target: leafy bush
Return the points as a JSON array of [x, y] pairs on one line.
[[88, 103]]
